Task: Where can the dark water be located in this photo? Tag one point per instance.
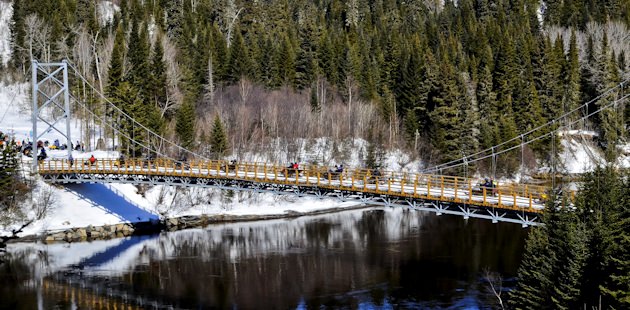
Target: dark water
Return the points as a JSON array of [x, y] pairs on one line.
[[369, 259]]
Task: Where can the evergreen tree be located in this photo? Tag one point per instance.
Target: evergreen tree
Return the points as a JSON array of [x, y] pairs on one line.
[[534, 274], [158, 85], [185, 125], [138, 56], [305, 63], [12, 185], [116, 64], [572, 94], [131, 137], [238, 63], [611, 123], [218, 139], [18, 33], [445, 117]]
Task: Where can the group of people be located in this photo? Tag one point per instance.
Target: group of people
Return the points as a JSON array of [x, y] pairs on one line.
[[338, 169]]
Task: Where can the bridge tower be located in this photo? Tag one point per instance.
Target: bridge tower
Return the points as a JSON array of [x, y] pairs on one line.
[[50, 90]]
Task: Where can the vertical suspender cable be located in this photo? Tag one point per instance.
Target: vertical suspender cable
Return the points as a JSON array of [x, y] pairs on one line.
[[494, 165]]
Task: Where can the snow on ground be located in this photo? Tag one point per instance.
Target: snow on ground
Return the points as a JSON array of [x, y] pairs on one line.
[[106, 10], [6, 11], [252, 239], [323, 151], [578, 156]]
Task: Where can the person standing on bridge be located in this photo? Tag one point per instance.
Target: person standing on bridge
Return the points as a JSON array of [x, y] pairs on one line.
[[92, 160]]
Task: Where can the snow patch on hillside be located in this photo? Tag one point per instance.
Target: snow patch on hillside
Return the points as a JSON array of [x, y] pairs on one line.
[[6, 11], [106, 11], [579, 156]]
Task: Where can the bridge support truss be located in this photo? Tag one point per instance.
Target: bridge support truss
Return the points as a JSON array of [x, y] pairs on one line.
[[525, 219], [50, 89]]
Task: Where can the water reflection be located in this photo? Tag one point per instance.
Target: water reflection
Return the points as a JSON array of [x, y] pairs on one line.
[[381, 257]]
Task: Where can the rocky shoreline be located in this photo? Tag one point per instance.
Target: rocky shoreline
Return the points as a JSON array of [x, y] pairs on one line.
[[120, 230]]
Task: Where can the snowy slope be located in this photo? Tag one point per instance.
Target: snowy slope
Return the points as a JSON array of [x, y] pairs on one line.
[[6, 10], [97, 204]]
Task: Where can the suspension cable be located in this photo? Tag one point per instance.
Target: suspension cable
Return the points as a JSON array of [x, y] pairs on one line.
[[542, 136], [131, 118], [547, 124]]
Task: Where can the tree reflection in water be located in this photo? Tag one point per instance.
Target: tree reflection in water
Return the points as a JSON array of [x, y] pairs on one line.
[[371, 257]]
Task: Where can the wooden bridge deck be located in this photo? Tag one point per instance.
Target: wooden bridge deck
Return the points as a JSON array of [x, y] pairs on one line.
[[450, 189]]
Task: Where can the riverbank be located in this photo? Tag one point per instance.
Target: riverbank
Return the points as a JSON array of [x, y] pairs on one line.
[[121, 230]]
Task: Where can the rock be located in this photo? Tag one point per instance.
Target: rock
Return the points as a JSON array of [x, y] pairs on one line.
[[49, 238], [172, 222], [119, 227], [82, 233]]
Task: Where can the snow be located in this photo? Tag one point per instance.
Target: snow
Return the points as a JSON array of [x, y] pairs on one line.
[[6, 11], [251, 239], [579, 156], [106, 10], [81, 205]]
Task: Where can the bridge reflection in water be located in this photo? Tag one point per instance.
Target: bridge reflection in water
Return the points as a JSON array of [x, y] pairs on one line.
[[517, 203], [368, 258]]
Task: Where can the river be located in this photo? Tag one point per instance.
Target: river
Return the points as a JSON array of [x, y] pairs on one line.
[[370, 258]]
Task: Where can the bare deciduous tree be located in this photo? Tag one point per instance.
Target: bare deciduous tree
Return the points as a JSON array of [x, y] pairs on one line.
[[495, 284]]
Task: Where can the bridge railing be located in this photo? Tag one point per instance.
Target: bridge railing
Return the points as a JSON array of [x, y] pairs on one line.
[[530, 198]]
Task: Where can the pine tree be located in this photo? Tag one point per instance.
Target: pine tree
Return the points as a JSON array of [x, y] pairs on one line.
[[305, 63], [285, 61], [158, 85], [218, 139], [534, 273], [127, 98], [18, 33], [611, 123], [602, 202], [138, 56], [116, 64], [617, 286], [185, 126], [571, 73], [12, 185], [445, 117], [239, 62]]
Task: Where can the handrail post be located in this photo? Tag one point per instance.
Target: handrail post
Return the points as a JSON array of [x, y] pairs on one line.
[[484, 195], [429, 186], [415, 186], [514, 194], [265, 168], [402, 185], [442, 187], [469, 190], [455, 189]]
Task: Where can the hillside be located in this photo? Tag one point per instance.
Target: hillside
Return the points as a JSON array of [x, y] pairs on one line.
[[400, 86]]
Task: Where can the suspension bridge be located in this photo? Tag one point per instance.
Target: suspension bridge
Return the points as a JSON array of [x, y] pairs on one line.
[[429, 190]]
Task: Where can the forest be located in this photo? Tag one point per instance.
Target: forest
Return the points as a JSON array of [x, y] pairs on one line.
[[439, 79]]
